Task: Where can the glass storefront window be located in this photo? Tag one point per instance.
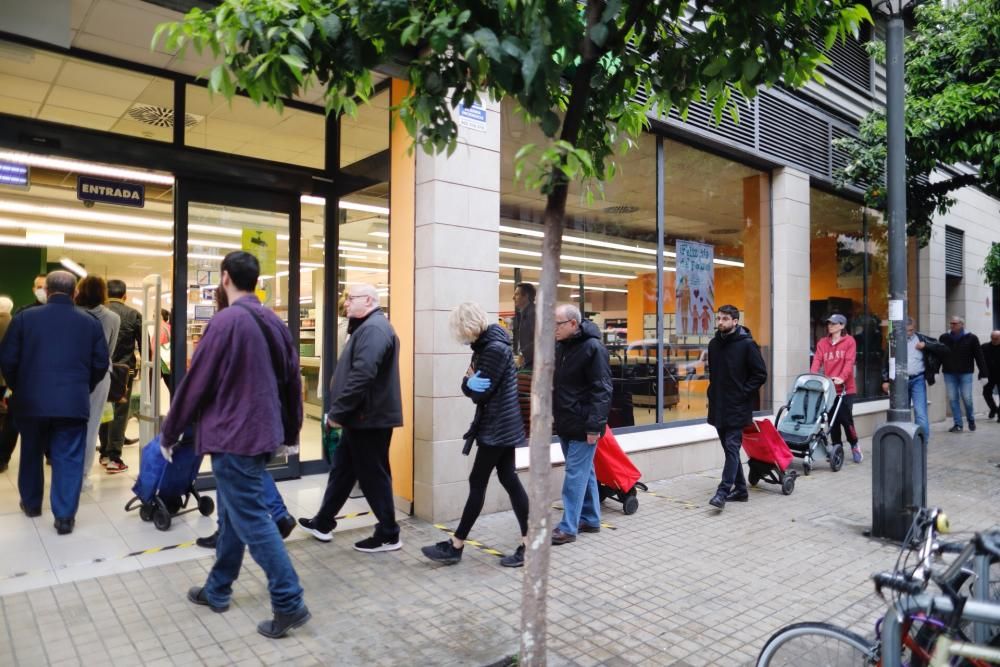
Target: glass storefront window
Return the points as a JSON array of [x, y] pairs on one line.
[[608, 266], [850, 276], [367, 134], [717, 245], [240, 127], [61, 89]]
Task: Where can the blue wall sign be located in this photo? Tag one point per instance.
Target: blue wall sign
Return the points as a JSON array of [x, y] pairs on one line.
[[473, 117], [15, 175], [110, 192]]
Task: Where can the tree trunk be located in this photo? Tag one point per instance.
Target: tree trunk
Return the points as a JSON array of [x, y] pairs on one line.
[[536, 570], [533, 591]]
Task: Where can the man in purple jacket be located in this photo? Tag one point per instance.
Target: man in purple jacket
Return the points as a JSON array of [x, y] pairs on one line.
[[232, 391]]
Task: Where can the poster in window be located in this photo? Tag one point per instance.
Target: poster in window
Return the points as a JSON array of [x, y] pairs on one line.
[[263, 244], [695, 288]]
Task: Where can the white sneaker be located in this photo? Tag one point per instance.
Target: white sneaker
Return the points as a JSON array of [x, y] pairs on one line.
[[310, 527]]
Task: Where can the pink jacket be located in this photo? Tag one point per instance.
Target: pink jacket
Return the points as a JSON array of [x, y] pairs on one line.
[[837, 361]]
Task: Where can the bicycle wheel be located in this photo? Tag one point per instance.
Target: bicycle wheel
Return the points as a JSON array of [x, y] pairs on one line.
[[817, 645]]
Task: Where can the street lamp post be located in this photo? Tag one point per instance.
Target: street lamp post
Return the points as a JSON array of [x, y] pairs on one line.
[[899, 447]]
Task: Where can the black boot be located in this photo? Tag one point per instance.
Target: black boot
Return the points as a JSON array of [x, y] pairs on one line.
[[718, 500], [282, 623], [208, 542]]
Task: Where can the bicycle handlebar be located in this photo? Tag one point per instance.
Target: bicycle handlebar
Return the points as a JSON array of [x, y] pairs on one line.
[[897, 582], [950, 547]]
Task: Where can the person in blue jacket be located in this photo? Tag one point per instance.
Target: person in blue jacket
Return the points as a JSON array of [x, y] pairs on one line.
[[52, 358]]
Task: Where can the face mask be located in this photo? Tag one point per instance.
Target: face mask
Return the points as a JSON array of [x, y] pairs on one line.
[[41, 295]]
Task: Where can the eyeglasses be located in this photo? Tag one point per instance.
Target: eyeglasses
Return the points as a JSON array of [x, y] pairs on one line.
[[352, 297], [559, 323]]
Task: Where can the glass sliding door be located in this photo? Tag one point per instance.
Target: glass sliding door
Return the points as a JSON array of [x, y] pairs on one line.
[[212, 222]]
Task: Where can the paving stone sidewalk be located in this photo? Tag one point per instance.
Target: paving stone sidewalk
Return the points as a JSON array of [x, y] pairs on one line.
[[676, 584]]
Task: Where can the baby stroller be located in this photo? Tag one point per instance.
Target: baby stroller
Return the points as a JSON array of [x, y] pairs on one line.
[[804, 423], [164, 488], [616, 476], [769, 456]]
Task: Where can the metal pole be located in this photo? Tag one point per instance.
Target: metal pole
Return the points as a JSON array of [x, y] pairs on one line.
[[899, 410], [660, 233]]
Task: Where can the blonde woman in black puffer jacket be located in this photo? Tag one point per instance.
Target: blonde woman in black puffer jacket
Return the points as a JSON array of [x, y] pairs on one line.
[[491, 383]]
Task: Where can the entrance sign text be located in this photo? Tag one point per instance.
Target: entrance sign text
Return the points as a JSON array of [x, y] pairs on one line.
[[110, 192]]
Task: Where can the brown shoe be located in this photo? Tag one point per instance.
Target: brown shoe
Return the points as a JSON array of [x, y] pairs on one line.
[[559, 537]]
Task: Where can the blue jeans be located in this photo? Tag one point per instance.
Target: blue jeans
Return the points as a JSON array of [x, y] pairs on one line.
[[244, 521], [275, 503], [960, 391], [65, 441], [918, 397], [580, 497]]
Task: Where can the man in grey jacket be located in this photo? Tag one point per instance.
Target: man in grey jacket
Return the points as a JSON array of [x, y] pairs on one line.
[[366, 403]]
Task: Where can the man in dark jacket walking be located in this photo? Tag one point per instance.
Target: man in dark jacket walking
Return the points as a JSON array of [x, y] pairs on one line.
[[52, 358], [580, 403], [367, 404], [991, 354], [123, 365], [736, 371], [957, 367], [923, 359], [245, 393]]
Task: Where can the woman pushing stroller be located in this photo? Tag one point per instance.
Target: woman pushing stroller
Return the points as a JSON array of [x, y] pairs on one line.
[[836, 354]]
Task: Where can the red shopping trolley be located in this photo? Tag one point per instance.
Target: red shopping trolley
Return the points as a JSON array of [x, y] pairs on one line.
[[617, 478], [769, 456]]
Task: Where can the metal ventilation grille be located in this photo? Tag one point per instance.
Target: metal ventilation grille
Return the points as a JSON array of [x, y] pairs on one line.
[[160, 116], [954, 244], [791, 134], [850, 61], [700, 116]]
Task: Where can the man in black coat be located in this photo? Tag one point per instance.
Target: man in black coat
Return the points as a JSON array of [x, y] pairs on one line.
[[991, 353], [123, 366], [581, 399], [736, 371], [957, 367], [367, 404], [52, 358]]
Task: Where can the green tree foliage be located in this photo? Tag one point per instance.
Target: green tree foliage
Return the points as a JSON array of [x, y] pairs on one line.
[[574, 68], [952, 112]]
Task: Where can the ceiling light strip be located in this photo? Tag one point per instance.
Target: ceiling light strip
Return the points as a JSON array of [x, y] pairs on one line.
[[81, 167], [96, 247]]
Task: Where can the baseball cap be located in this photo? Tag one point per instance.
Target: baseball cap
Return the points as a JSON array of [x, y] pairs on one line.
[[837, 319]]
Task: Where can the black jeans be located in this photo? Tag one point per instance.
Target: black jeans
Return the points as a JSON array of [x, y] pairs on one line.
[[362, 456], [988, 390], [732, 470], [845, 421], [490, 458]]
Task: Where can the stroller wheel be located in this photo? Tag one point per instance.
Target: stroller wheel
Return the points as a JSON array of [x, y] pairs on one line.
[[631, 504], [788, 485], [806, 467], [753, 479], [837, 458], [161, 519], [146, 512], [206, 506]]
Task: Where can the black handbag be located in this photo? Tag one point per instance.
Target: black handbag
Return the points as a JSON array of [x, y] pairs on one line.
[[470, 435]]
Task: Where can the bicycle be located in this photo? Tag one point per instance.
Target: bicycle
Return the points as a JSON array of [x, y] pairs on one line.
[[803, 644]]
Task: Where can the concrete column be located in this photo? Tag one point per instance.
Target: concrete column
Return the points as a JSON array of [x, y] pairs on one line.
[[790, 279], [457, 255]]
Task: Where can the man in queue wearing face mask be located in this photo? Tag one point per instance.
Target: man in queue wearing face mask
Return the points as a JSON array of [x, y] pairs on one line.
[[38, 289]]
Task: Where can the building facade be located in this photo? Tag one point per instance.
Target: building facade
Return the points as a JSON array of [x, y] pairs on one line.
[[751, 217]]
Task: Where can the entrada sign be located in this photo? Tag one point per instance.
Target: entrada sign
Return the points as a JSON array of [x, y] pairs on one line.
[[110, 192]]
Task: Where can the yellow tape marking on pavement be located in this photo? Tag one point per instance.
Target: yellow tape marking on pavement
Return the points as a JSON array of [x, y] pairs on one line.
[[686, 504], [146, 552], [478, 545], [603, 523]]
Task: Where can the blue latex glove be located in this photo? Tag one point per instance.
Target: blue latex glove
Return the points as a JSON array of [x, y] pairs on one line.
[[477, 383]]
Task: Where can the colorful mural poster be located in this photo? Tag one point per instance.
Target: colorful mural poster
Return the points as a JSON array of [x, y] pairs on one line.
[[695, 288]]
